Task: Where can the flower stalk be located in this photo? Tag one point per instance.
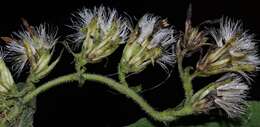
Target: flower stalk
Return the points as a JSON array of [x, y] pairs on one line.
[[185, 75], [122, 74], [166, 115]]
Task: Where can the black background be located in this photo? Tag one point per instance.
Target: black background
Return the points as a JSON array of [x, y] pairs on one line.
[[95, 105]]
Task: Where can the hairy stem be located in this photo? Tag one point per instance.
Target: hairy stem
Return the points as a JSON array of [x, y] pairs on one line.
[[187, 85], [50, 84], [166, 115], [185, 76]]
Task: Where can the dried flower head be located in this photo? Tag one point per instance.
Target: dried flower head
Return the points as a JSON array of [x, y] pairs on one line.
[[151, 41], [235, 50], [193, 38], [31, 46], [100, 31], [228, 93]]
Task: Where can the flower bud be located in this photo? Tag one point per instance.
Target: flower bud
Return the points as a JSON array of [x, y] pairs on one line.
[[100, 31], [235, 50], [228, 93], [6, 79], [151, 41], [32, 47]]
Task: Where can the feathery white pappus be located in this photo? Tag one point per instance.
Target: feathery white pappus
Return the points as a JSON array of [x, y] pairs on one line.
[[230, 96], [158, 37], [28, 44], [244, 43], [105, 18], [99, 32]]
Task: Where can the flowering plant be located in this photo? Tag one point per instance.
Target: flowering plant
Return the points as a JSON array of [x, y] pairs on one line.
[[226, 50]]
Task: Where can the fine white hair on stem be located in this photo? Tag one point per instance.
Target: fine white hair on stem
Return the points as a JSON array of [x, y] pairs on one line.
[[105, 17], [38, 38]]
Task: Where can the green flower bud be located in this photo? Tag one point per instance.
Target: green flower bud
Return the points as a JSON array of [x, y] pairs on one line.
[[100, 31], [151, 42]]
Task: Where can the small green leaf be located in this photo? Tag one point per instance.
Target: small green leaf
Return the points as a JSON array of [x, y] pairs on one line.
[[143, 122]]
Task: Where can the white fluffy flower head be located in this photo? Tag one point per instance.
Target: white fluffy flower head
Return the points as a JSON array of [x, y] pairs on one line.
[[29, 45], [231, 98], [235, 49], [152, 41], [228, 93], [100, 31]]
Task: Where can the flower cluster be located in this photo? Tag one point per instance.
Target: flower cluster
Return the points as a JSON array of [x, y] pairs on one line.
[[151, 41], [100, 31], [235, 50], [32, 47], [228, 93]]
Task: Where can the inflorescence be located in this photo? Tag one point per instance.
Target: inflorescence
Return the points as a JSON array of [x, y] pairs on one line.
[[230, 51]]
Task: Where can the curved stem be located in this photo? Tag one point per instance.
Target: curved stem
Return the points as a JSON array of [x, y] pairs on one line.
[[167, 115], [187, 85], [50, 84], [179, 62], [185, 76]]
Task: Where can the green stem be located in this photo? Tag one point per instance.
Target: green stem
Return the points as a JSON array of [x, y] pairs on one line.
[[185, 76], [166, 115], [50, 84], [187, 85], [179, 62], [122, 75]]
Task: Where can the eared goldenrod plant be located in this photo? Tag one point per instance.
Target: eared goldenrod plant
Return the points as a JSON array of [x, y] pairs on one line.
[[225, 48]]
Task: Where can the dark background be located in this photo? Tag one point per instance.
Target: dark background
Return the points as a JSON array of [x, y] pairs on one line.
[[95, 105]]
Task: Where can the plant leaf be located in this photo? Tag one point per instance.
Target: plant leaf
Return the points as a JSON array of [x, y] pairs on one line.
[[143, 122]]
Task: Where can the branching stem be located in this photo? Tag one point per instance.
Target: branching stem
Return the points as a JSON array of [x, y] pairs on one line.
[[166, 115]]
